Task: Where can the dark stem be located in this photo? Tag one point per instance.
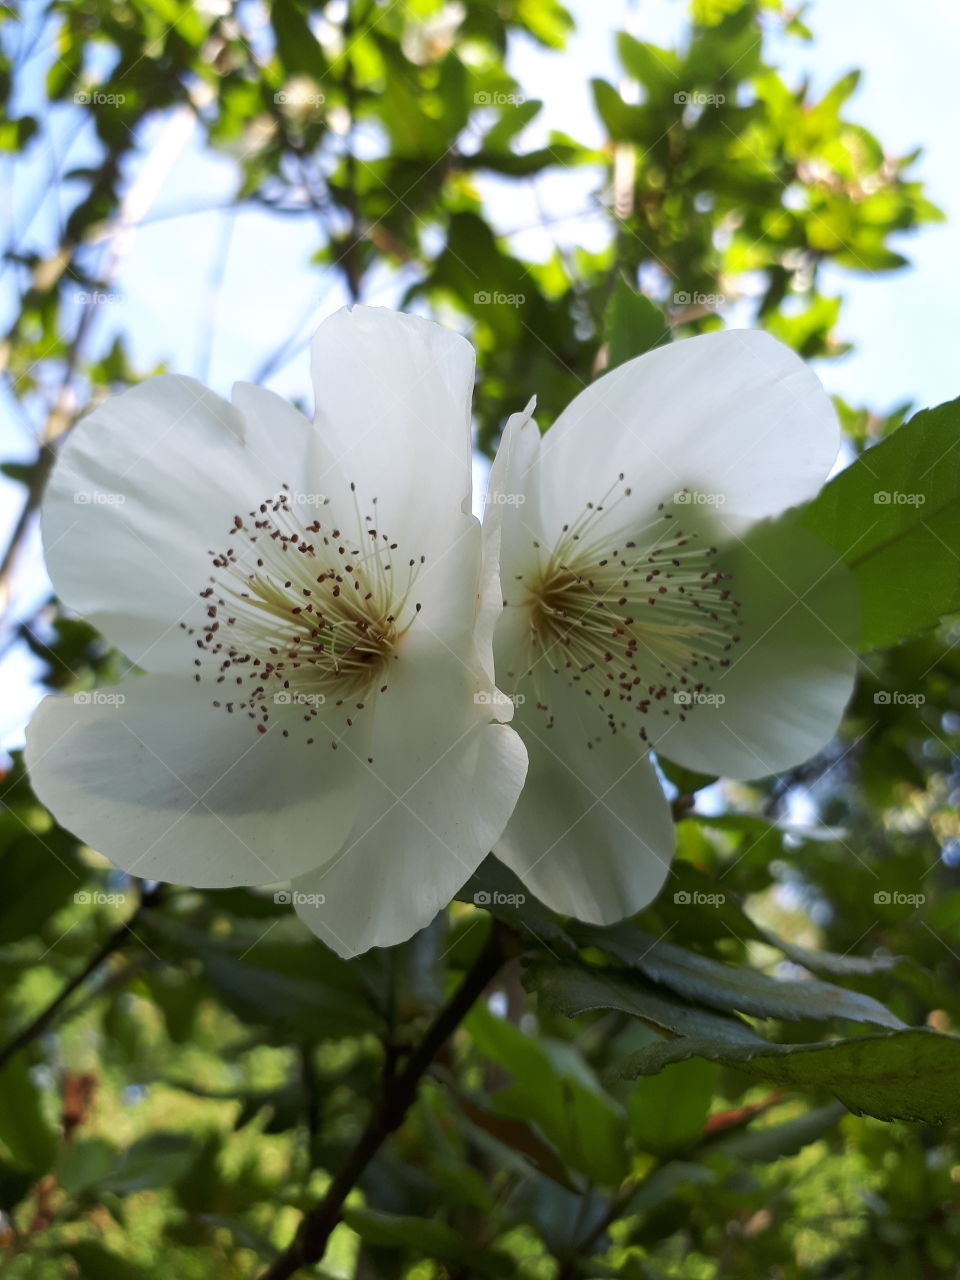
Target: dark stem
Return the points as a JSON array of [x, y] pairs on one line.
[[310, 1242], [113, 942], [350, 256], [311, 1100]]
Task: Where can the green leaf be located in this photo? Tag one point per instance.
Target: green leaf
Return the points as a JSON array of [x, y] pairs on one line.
[[22, 472], [830, 961], [667, 1112], [495, 888], [296, 43], [302, 1004], [767, 1142], [14, 1185], [97, 1263], [553, 1088], [569, 990], [634, 325], [623, 120], [724, 987], [671, 1180], [546, 20], [15, 134], [658, 70], [687, 781], [39, 875], [514, 118], [301, 989], [153, 1161], [894, 517], [894, 1075], [426, 1238], [519, 1137], [808, 331], [24, 1129], [84, 1163]]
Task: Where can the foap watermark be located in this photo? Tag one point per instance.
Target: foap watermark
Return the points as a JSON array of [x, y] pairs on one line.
[[496, 698], [694, 898], [887, 498], [698, 698], [94, 498], [496, 498], [894, 898], [496, 98], [494, 898], [97, 898], [94, 98], [695, 98], [293, 697], [294, 898], [895, 698], [295, 498], [299, 98], [97, 298], [482, 298], [99, 698], [698, 498], [684, 299]]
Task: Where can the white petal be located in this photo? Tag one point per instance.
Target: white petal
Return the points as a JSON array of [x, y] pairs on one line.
[[792, 673], [170, 788], [393, 396], [512, 531], [436, 799], [144, 488], [592, 834], [505, 494], [393, 399], [734, 416]]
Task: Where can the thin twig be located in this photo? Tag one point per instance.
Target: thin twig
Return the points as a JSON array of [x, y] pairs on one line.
[[311, 1239], [111, 944]]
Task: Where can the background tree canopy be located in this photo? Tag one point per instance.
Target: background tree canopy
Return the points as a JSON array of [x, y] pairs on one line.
[[757, 1076]]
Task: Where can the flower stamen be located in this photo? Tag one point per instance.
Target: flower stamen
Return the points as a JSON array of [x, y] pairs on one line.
[[638, 619], [303, 612]]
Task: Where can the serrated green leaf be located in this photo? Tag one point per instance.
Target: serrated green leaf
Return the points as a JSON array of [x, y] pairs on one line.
[[725, 987], [569, 990], [893, 1075]]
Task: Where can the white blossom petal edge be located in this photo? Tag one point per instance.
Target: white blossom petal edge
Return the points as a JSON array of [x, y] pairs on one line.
[[305, 598], [651, 603]]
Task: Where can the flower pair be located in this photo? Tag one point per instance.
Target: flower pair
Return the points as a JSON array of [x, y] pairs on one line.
[[347, 675]]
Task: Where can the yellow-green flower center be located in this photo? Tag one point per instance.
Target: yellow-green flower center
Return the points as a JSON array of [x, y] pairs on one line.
[[639, 622], [301, 611]]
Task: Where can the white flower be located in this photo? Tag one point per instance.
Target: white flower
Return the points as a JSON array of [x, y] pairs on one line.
[[305, 598], [649, 605]]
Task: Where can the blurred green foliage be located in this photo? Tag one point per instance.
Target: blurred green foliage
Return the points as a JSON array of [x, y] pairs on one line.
[[197, 1091]]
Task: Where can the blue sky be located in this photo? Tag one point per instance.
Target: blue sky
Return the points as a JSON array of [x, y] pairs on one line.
[[174, 307]]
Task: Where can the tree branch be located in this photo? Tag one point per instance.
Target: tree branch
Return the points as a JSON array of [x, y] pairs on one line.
[[113, 942], [310, 1242]]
